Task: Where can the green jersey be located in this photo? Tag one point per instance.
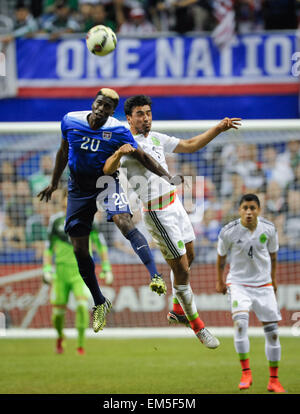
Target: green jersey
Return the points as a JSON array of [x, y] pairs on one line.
[[59, 242]]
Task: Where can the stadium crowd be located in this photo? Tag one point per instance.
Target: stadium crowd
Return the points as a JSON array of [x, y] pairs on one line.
[[219, 177], [142, 17]]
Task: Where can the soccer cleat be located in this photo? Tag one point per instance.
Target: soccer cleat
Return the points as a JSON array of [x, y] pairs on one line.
[[275, 386], [99, 314], [158, 285], [60, 345], [80, 351], [246, 380], [207, 338], [175, 318]]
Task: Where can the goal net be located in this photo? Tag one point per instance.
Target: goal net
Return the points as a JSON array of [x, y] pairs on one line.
[[261, 157]]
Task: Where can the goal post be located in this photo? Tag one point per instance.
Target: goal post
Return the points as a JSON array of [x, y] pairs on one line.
[[262, 156]]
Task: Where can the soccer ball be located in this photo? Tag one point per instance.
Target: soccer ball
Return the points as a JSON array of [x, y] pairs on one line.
[[101, 40]]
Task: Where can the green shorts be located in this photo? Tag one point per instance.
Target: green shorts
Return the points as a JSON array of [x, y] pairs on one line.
[[66, 279]]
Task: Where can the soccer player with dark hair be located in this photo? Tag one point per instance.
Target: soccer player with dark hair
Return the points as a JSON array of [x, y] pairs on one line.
[[88, 139], [163, 213], [251, 284]]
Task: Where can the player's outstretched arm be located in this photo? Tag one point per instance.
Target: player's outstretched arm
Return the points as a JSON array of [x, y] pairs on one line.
[[113, 163], [221, 286], [61, 161], [200, 141]]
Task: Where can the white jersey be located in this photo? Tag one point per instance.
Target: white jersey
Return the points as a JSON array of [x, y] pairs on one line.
[[250, 262], [150, 186]]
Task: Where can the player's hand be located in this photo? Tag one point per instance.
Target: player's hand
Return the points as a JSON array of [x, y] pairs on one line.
[[221, 287], [46, 193], [274, 284], [107, 275], [228, 123], [126, 149]]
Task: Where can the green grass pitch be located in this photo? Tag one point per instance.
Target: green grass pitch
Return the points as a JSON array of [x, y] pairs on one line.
[[139, 366]]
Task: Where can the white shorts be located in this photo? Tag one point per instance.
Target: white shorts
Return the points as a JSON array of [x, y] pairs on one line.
[[170, 228], [261, 300]]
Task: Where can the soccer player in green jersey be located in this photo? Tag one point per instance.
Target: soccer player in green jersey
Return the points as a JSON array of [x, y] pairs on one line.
[[65, 276]]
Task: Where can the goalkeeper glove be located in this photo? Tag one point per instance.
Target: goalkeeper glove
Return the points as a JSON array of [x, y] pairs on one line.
[[106, 273], [48, 272]]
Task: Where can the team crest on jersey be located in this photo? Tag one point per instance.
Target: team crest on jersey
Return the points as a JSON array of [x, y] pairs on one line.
[[155, 141], [263, 238], [106, 135]]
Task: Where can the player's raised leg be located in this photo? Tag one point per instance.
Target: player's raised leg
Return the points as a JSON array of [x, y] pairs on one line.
[[141, 247], [177, 315], [86, 267], [185, 296], [273, 354]]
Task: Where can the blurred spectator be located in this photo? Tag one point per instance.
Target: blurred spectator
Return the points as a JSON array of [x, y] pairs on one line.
[[24, 24], [275, 169], [275, 202], [242, 160], [137, 23], [179, 15], [292, 221], [8, 191], [37, 222], [100, 16], [206, 233], [61, 21], [84, 16], [291, 155], [40, 179], [49, 5], [8, 171], [248, 15], [20, 207], [295, 184]]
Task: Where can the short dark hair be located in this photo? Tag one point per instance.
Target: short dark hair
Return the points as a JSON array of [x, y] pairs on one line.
[[111, 94], [250, 197], [134, 101]]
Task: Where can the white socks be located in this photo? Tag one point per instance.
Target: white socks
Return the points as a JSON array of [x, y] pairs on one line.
[[185, 296], [272, 344], [241, 340]]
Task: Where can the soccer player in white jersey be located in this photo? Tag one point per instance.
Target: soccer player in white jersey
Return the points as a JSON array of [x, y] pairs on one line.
[[163, 213], [251, 283]]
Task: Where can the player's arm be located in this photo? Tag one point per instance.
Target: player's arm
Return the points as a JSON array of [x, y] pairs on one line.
[[273, 257], [113, 162], [61, 161], [200, 141], [221, 263]]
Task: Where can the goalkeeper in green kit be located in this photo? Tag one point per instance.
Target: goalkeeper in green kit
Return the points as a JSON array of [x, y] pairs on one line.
[[60, 269]]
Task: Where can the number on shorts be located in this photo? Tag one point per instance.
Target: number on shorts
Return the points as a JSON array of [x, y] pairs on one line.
[[250, 253], [120, 199]]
